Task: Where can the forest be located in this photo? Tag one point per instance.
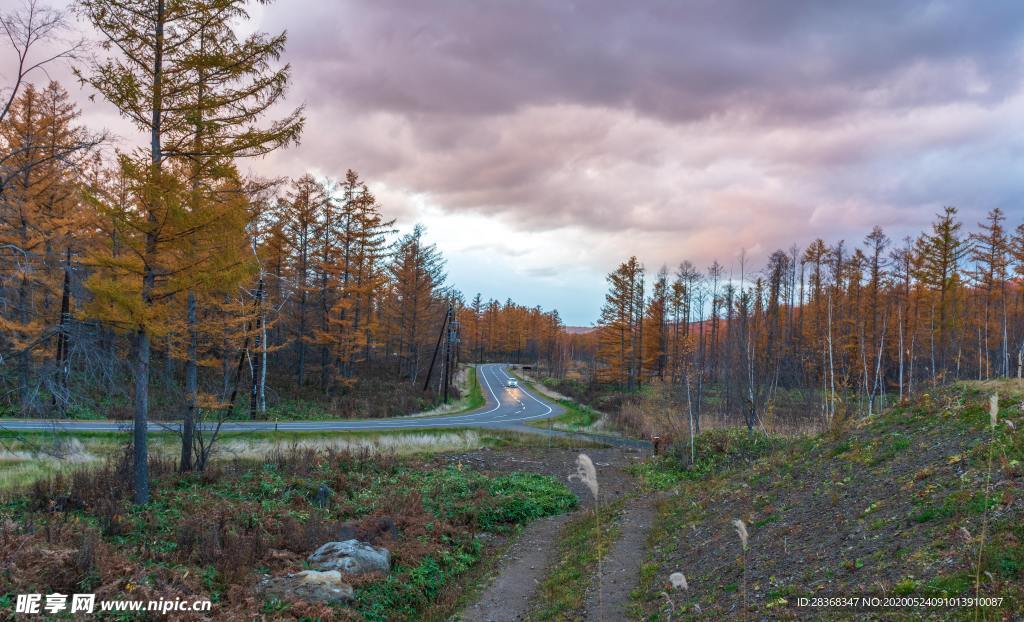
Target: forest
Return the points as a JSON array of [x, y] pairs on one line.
[[825, 331]]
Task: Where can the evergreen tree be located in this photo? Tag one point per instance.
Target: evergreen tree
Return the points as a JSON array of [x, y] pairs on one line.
[[619, 326], [937, 257], [179, 73]]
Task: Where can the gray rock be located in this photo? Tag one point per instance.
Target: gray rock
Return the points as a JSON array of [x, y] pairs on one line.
[[312, 586], [352, 557]]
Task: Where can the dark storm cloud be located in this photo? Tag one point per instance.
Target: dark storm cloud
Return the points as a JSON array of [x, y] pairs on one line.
[[674, 60]]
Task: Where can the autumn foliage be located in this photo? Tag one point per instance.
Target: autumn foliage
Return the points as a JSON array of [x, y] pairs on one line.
[[827, 331]]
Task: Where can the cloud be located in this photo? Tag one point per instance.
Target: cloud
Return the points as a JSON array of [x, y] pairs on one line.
[[691, 119], [565, 136], [670, 59]]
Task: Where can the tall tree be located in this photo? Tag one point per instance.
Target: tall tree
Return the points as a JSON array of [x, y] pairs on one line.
[[175, 74], [990, 252], [656, 329], [620, 324], [416, 304], [302, 209], [40, 226], [938, 254]]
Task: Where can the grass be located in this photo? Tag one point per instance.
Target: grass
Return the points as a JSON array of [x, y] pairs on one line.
[[475, 399], [25, 457], [523, 497], [562, 593], [896, 501], [715, 450], [575, 417]]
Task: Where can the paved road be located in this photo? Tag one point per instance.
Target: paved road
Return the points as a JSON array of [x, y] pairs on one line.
[[505, 408]]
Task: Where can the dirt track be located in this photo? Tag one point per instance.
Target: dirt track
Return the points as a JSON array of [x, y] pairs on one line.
[[511, 594]]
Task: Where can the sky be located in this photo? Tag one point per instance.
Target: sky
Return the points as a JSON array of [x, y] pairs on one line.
[[542, 143]]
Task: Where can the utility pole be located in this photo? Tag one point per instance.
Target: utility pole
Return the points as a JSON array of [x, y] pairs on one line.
[[449, 357], [437, 346], [447, 363]]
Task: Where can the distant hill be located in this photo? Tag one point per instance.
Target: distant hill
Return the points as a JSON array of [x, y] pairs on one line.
[[694, 326], [579, 330]]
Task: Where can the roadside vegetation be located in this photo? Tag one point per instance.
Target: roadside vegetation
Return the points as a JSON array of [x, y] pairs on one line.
[[26, 457], [576, 416], [714, 451], [29, 456], [212, 534], [475, 399]]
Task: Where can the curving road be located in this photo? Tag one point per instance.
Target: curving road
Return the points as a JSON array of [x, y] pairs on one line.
[[504, 408]]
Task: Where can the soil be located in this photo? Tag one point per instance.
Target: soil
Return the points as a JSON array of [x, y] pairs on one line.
[[509, 597], [608, 596]]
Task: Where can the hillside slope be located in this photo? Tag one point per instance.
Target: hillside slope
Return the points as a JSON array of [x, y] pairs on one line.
[[898, 505]]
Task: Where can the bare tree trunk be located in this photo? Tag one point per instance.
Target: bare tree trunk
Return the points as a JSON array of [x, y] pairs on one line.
[[831, 364], [1006, 341], [899, 320], [879, 380], [864, 366], [142, 348], [910, 376], [60, 392], [140, 436], [191, 386], [259, 371], [25, 355], [301, 341], [931, 337], [693, 431], [262, 402]]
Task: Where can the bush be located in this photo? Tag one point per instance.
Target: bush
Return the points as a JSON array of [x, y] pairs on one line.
[[523, 497], [715, 450]]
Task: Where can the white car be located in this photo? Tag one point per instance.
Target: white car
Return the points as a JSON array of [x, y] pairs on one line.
[[512, 383]]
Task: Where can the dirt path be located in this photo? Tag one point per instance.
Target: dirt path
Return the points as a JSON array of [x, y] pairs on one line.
[[608, 595], [510, 596]]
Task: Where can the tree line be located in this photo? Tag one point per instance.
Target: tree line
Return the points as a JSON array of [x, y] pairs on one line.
[[838, 327], [492, 331]]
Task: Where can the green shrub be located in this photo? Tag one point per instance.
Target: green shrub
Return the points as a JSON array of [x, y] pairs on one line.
[[715, 450], [523, 497]]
